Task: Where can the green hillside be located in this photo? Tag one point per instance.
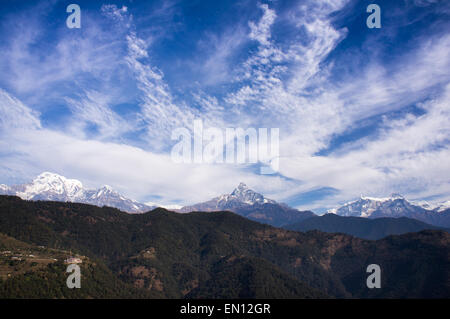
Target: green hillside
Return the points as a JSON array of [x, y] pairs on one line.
[[30, 271], [211, 255], [366, 228]]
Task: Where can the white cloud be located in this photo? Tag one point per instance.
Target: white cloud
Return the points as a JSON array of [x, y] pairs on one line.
[[285, 86], [113, 12], [94, 108], [261, 31], [409, 156], [310, 119], [158, 110], [93, 53], [313, 18], [14, 114], [215, 65], [135, 172]]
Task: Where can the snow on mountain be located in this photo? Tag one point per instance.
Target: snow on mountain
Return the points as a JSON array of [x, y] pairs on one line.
[[173, 207], [437, 207], [106, 196], [250, 204], [4, 189], [394, 206], [241, 196], [51, 186], [443, 206], [424, 204]]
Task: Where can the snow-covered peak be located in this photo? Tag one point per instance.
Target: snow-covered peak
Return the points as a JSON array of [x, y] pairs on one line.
[[5, 190], [332, 211], [169, 206], [52, 179], [443, 206], [241, 187], [241, 195], [246, 202], [393, 206], [241, 190], [438, 207], [393, 196], [105, 190], [245, 195], [52, 184], [425, 204]]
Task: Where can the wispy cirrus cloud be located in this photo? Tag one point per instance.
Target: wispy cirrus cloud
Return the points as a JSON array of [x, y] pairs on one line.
[[92, 112], [14, 114], [131, 170], [350, 120], [409, 154]]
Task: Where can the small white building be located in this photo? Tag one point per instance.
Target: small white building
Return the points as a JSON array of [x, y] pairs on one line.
[[73, 260]]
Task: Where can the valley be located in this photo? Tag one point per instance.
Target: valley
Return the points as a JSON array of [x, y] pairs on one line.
[[162, 254]]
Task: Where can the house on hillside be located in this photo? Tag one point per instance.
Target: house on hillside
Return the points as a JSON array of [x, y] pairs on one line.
[[73, 260]]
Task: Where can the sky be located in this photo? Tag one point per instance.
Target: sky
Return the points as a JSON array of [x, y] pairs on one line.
[[360, 111]]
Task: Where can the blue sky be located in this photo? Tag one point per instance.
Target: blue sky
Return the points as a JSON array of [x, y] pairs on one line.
[[360, 111]]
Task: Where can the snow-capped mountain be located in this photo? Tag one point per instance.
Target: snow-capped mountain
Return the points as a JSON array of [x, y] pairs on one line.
[[49, 186], [173, 207], [54, 187], [439, 207], [5, 189], [393, 206], [244, 194], [240, 197], [106, 196], [250, 204], [366, 206]]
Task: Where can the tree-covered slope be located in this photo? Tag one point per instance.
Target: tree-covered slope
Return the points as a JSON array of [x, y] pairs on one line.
[[30, 271], [221, 254], [361, 227]]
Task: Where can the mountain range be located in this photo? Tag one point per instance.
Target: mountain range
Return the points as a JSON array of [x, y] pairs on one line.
[[360, 227], [394, 206], [242, 200], [54, 187], [163, 254], [252, 205]]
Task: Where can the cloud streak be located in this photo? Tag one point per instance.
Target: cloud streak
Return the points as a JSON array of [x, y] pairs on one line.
[[100, 103]]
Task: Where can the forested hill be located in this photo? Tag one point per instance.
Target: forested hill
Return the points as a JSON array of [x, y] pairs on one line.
[[222, 255], [362, 227]]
